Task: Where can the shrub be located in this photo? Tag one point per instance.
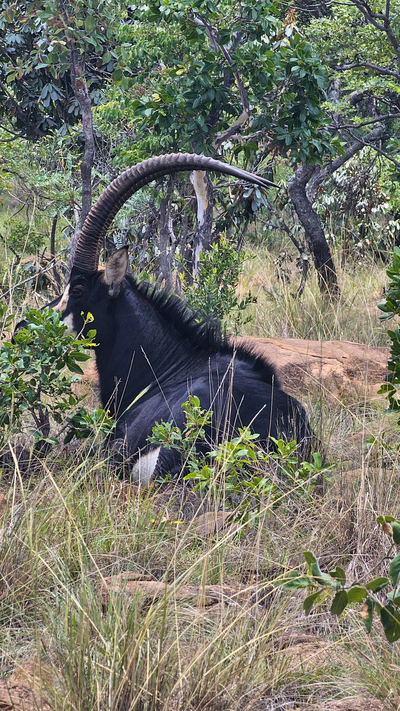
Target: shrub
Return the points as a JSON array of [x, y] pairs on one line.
[[391, 308], [333, 586], [238, 471], [35, 385], [23, 237], [213, 291]]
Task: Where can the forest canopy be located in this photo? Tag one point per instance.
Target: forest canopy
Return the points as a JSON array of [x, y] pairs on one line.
[[88, 89]]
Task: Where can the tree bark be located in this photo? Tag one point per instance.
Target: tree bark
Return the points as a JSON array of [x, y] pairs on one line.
[[74, 242], [167, 237], [56, 275], [82, 96], [203, 234], [313, 231]]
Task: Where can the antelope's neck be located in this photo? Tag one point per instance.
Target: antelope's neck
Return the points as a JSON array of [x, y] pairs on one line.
[[140, 355]]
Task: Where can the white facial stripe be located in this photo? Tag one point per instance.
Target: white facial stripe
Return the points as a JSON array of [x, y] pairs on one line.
[[69, 322], [62, 304], [144, 468]]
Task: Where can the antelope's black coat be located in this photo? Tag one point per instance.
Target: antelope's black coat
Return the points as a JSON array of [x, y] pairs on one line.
[[153, 352]]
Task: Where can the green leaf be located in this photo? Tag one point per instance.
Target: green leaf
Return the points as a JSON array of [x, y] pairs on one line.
[[310, 557], [73, 367], [390, 618], [69, 436], [396, 532], [385, 317], [294, 581], [367, 613], [377, 584], [320, 577], [356, 594], [339, 602], [310, 601], [90, 23], [394, 570], [117, 76], [339, 574], [77, 355], [381, 519]]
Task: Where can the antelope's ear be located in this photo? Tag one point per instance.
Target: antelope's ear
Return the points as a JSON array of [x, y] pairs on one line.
[[116, 268]]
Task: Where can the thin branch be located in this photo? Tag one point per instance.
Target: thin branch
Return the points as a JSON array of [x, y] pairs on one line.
[[322, 174], [369, 15], [10, 140], [234, 130], [386, 117], [8, 130], [300, 248], [14, 135], [378, 150], [305, 263], [20, 112], [216, 46], [393, 41], [367, 65], [10, 248], [386, 27]]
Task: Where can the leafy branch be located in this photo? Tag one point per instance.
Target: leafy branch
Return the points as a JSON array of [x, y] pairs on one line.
[[333, 586]]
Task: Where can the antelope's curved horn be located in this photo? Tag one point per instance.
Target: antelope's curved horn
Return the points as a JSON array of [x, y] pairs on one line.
[[122, 188]]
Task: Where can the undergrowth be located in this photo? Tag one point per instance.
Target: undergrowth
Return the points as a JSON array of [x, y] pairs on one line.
[[67, 526], [278, 312]]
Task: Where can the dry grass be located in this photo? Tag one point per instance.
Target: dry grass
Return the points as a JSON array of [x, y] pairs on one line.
[[64, 529], [62, 533], [278, 312]]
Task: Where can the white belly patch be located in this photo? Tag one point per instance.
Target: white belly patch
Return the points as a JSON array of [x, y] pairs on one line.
[[144, 467]]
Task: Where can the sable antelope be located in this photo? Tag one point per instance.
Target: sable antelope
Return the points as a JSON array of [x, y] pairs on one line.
[[152, 352]]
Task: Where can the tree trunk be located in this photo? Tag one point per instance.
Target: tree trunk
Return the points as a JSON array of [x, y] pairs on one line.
[[313, 230], [203, 234], [167, 237], [303, 197], [56, 275], [82, 96], [53, 236], [74, 242]]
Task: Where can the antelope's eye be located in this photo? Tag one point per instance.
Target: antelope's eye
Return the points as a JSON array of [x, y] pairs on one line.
[[77, 291]]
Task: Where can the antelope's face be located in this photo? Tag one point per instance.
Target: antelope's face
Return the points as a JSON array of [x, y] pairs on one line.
[[64, 307], [92, 293]]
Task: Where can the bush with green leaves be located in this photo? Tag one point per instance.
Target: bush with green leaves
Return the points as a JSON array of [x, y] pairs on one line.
[[333, 586], [35, 385], [391, 309], [213, 291], [22, 236], [360, 204], [238, 471]]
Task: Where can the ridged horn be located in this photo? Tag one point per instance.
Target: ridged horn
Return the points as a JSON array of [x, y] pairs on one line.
[[130, 181]]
